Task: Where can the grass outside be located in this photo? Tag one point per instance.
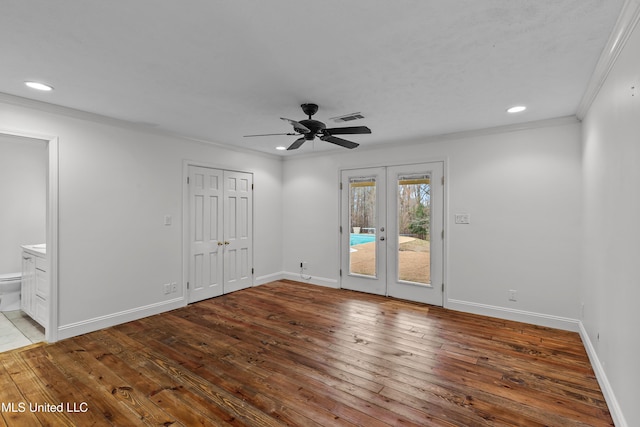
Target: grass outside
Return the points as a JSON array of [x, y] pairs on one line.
[[414, 259]]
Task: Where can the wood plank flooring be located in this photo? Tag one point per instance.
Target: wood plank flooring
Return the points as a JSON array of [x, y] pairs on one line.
[[288, 353]]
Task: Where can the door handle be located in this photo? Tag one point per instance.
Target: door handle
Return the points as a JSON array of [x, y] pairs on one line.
[[226, 243], [220, 243], [381, 237]]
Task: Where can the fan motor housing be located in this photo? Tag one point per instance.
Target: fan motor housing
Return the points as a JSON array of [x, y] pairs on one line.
[[314, 126]]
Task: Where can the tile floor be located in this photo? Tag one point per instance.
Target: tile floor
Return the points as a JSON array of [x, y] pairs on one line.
[[18, 330]]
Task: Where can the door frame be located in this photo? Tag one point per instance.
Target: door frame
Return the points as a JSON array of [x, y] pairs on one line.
[[51, 331], [445, 213], [185, 219]]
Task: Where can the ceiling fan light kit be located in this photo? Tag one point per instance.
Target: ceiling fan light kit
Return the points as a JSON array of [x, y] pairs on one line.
[[309, 128]]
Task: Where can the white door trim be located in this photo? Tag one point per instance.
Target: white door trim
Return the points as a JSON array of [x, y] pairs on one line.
[[51, 332]]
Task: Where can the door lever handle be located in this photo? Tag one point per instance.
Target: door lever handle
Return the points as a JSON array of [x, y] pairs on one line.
[[381, 237], [220, 243], [226, 243]]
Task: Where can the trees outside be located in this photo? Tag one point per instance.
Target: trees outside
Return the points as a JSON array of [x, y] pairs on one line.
[[414, 202], [363, 204], [414, 206], [414, 218]]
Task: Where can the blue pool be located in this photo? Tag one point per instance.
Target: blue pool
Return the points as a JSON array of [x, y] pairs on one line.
[[358, 239]]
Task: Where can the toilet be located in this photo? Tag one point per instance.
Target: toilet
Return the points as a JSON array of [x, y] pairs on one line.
[[10, 291]]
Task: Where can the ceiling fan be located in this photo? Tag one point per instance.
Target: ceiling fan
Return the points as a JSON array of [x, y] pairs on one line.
[[308, 129]]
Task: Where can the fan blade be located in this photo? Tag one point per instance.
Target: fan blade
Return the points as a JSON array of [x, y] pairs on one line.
[[297, 126], [296, 144], [272, 134], [350, 130], [339, 141]]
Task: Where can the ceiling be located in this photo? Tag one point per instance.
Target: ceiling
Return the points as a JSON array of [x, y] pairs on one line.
[[217, 70]]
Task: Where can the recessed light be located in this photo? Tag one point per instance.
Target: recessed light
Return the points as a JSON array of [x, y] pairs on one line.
[[281, 148], [516, 109], [39, 86]]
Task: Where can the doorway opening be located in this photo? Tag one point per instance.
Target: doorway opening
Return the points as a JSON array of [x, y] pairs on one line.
[[47, 283]]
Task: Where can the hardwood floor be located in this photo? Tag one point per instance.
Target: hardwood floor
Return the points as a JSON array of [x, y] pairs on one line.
[[288, 353]]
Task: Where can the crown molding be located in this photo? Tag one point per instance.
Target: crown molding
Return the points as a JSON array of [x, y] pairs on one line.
[[46, 107], [495, 130], [626, 23]]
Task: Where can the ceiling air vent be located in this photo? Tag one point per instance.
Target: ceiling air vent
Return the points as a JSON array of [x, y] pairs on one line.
[[347, 117]]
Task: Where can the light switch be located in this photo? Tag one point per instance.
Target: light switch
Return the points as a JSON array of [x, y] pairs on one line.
[[463, 218], [167, 220]]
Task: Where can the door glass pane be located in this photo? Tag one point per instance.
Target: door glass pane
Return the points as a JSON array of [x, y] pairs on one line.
[[362, 226], [414, 228]]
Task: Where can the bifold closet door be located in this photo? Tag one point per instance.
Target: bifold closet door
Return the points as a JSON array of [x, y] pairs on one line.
[[220, 232], [238, 232], [205, 233]]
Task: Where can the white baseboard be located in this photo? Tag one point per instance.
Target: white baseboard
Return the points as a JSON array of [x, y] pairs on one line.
[[261, 280], [546, 320], [605, 386], [101, 322], [314, 280]]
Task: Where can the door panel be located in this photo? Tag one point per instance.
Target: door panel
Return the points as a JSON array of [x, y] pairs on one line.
[[238, 235], [363, 249], [415, 219], [392, 222], [205, 262]]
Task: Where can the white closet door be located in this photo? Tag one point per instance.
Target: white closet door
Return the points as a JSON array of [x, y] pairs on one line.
[[238, 230], [205, 233]]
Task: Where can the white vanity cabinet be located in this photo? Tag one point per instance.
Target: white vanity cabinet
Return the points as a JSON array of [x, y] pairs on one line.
[[35, 283]]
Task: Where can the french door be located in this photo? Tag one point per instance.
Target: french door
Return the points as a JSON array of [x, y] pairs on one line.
[[220, 232], [392, 231]]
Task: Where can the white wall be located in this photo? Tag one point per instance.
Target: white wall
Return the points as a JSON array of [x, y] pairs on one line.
[[523, 191], [23, 196], [116, 184], [611, 288]]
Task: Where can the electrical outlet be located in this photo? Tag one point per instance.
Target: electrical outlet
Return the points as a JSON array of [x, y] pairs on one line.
[[304, 265], [167, 288], [174, 287], [512, 295]]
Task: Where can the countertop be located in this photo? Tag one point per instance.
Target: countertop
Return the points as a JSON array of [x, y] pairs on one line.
[[37, 250]]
